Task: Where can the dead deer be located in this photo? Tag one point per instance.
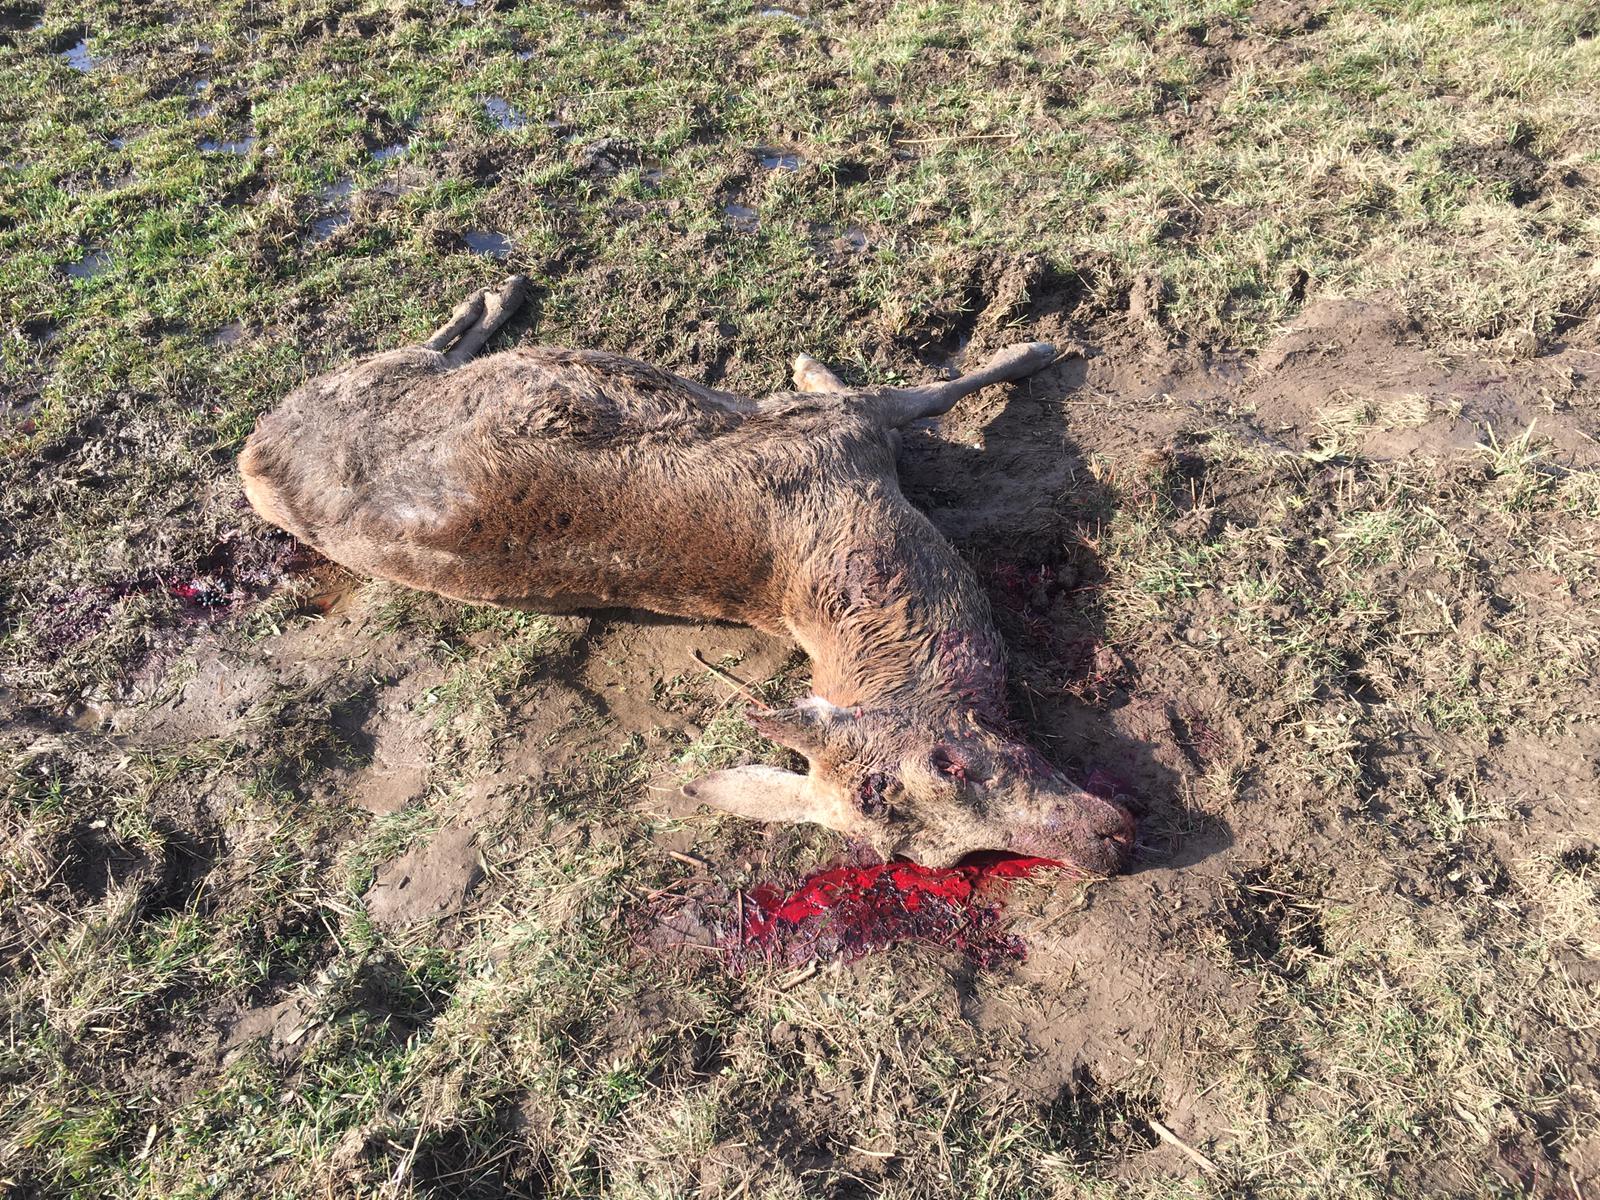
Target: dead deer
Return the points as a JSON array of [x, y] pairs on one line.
[[553, 480]]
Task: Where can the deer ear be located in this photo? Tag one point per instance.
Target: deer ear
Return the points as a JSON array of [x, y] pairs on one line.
[[769, 794], [808, 726]]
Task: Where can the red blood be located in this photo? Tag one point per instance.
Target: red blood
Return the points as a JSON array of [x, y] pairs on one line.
[[202, 593], [846, 912], [217, 582]]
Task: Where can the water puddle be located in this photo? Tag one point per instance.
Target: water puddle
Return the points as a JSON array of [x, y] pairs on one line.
[[777, 160], [742, 219], [95, 262], [485, 241], [337, 214], [503, 114], [201, 105], [324, 228], [23, 19], [227, 335], [607, 157], [385, 153], [41, 331], [241, 145], [831, 243], [340, 189], [525, 55], [78, 57], [652, 177], [778, 12]]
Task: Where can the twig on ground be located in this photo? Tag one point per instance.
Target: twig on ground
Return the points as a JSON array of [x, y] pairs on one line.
[[959, 137], [1172, 1139], [737, 684], [872, 1079], [676, 884], [798, 977]]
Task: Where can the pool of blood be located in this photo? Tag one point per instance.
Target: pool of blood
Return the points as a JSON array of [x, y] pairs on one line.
[[218, 581], [848, 911]]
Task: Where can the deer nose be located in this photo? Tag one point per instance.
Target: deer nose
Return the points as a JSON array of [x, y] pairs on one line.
[[1101, 836]]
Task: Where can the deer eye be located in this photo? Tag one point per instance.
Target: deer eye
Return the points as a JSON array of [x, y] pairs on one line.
[[950, 762], [872, 793]]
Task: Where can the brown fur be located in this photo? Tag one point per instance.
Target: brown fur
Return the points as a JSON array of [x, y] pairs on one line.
[[558, 479]]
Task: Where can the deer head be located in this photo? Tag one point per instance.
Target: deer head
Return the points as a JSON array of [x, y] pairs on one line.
[[933, 786]]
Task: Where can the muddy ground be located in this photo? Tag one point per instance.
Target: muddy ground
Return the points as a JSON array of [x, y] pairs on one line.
[[315, 886]]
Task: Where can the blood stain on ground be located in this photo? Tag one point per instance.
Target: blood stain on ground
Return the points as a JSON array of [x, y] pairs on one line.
[[853, 909], [849, 911], [236, 570]]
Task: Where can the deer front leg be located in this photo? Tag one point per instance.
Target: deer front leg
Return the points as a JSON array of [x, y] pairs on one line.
[[463, 318], [476, 318]]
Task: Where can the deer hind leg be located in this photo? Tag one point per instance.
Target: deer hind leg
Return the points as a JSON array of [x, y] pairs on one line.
[[811, 376], [467, 314], [476, 319], [903, 405]]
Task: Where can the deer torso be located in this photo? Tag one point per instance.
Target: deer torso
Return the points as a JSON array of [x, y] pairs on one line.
[[556, 479]]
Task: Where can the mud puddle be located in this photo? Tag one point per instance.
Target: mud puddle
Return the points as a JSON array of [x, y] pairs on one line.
[[92, 264], [504, 114], [488, 242], [78, 57], [236, 146], [771, 159], [742, 218]]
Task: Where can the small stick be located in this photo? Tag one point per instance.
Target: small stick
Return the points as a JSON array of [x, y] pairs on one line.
[[737, 685], [674, 886], [407, 1159], [917, 999], [689, 860], [799, 977], [1172, 1139], [944, 1122], [959, 137]]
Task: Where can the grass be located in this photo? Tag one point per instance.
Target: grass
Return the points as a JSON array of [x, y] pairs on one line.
[[1379, 984]]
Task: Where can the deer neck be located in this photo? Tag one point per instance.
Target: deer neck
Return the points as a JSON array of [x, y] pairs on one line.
[[892, 617]]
